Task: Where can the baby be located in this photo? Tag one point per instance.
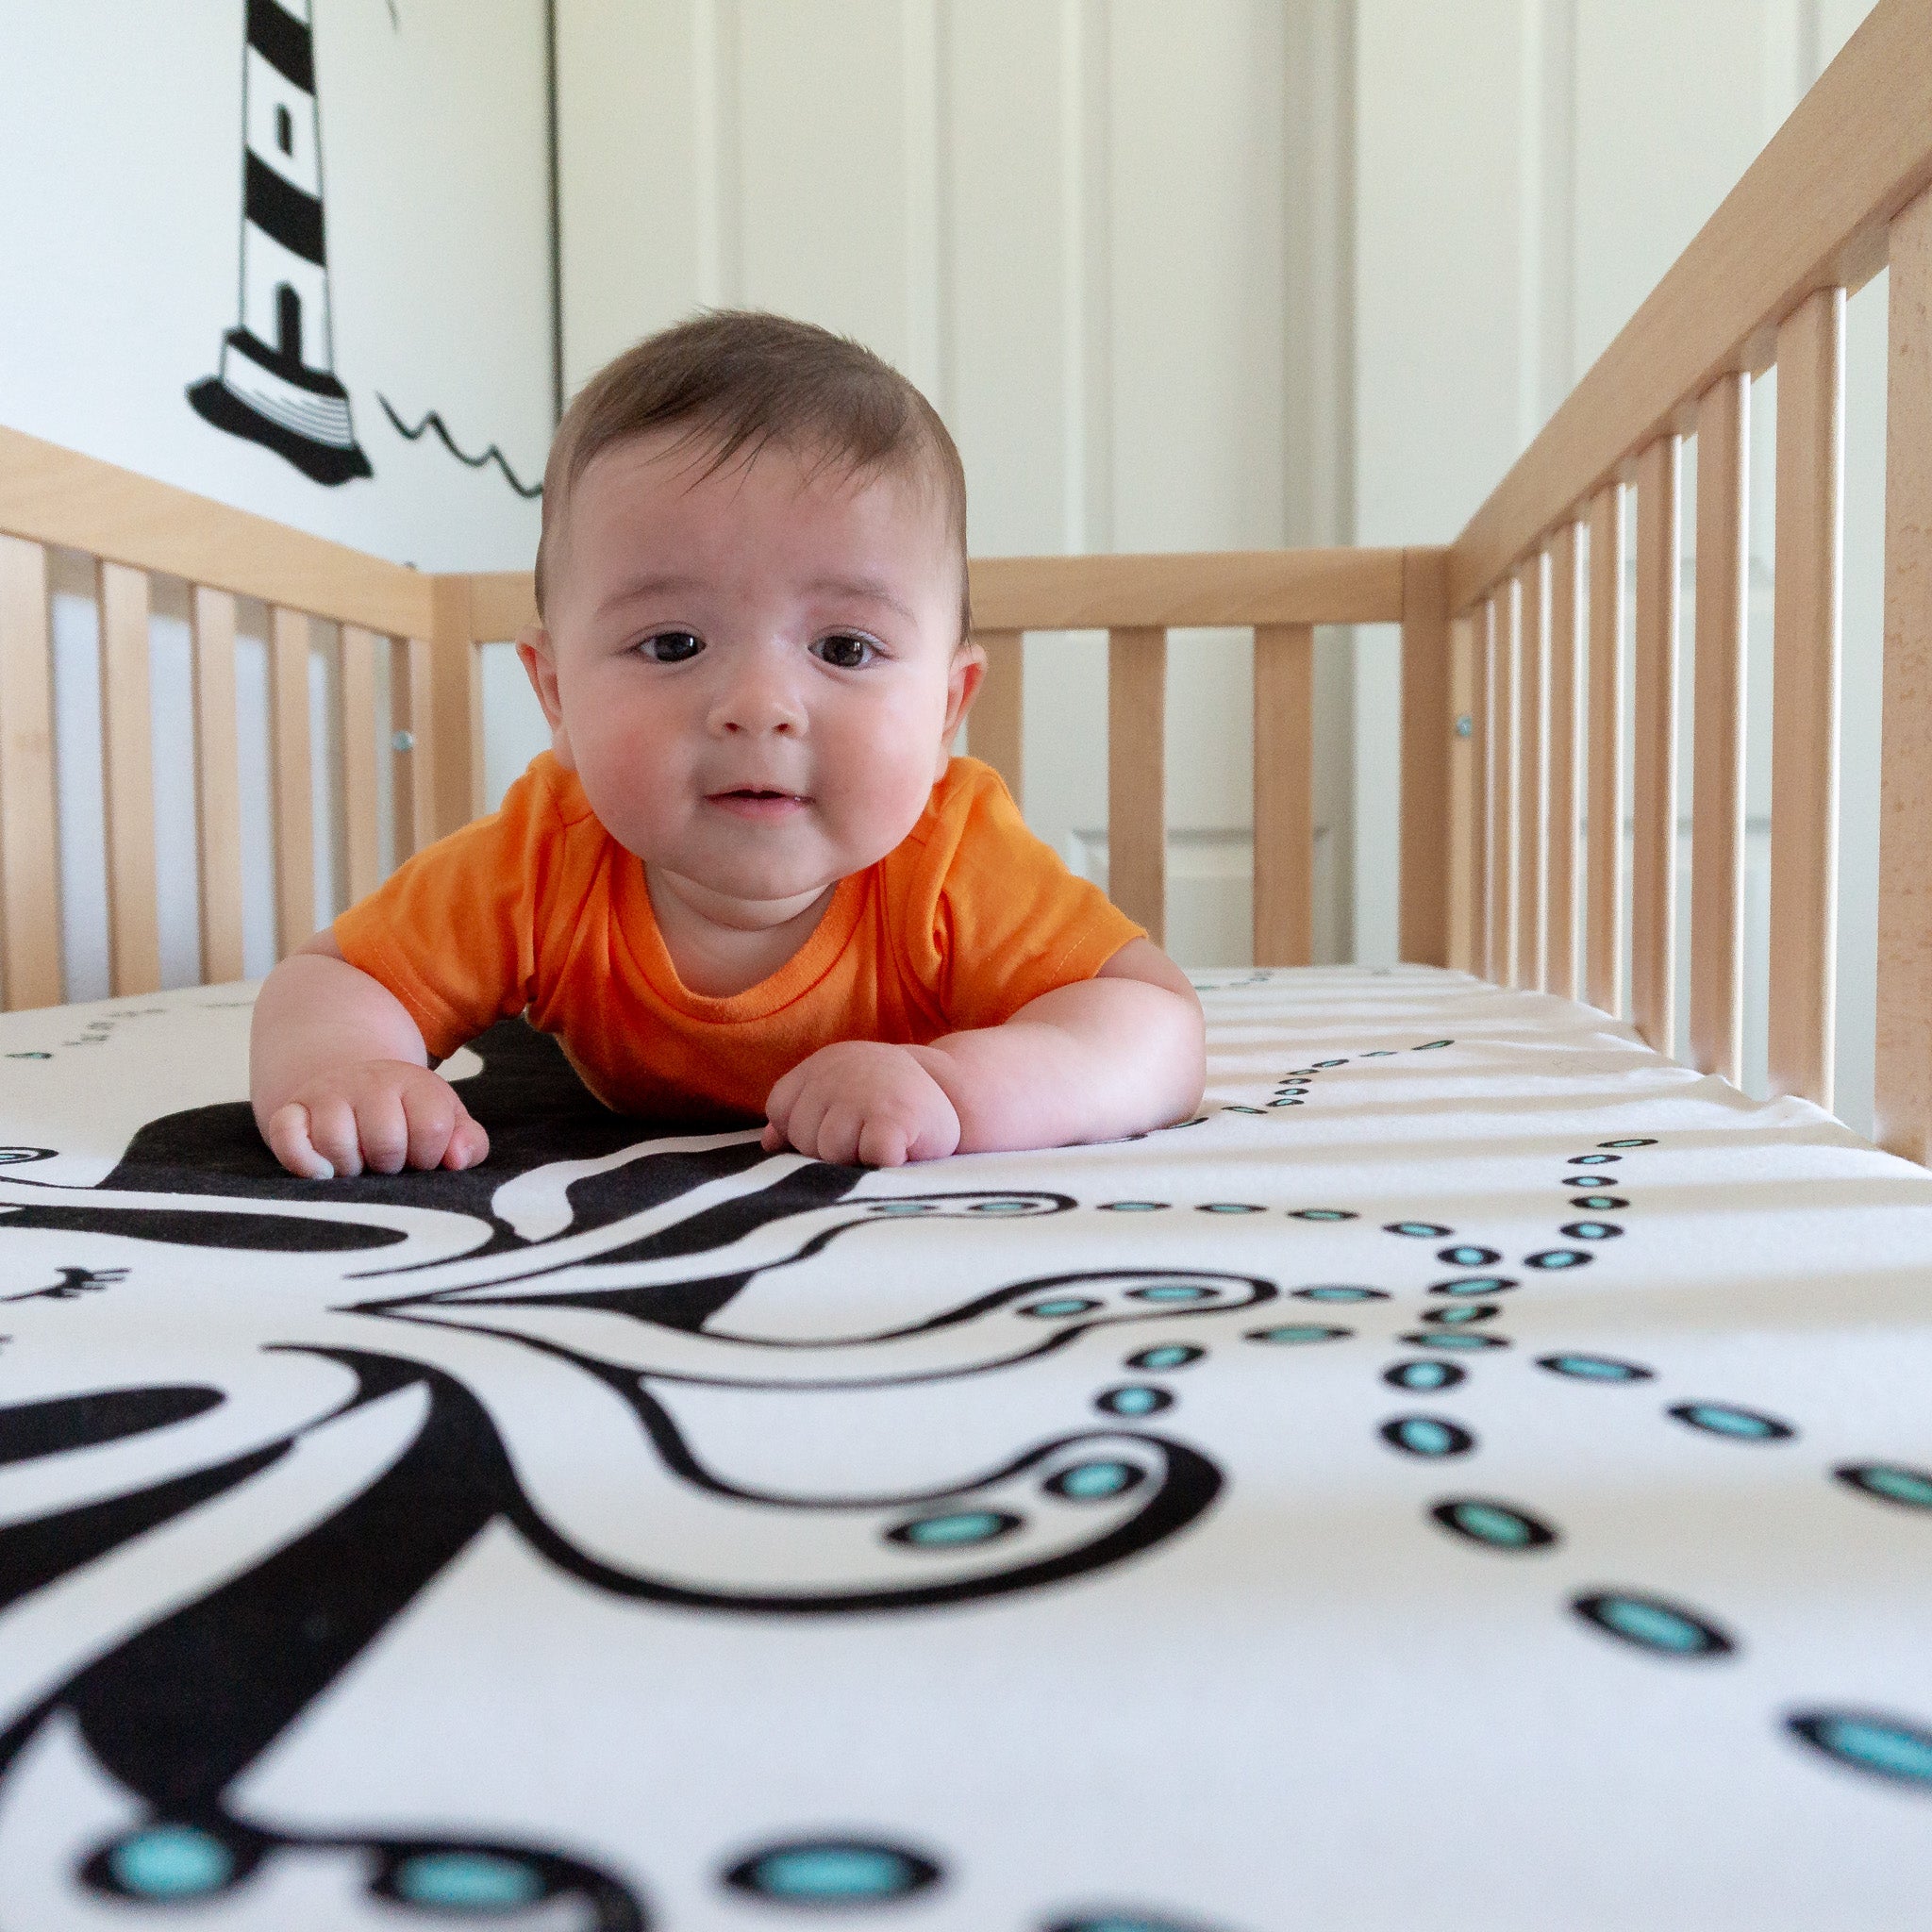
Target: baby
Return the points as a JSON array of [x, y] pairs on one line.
[[748, 879]]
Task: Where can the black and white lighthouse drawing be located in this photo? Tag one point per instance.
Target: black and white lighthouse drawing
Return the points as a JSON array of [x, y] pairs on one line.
[[277, 384]]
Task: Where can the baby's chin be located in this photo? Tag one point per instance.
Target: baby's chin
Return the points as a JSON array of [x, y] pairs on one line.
[[792, 858], [762, 884]]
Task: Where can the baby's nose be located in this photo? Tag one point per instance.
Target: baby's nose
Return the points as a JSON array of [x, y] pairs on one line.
[[757, 698]]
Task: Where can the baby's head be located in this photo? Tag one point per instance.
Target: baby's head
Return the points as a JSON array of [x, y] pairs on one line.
[[752, 579]]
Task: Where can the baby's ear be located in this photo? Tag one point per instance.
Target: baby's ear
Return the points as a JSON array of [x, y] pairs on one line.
[[962, 686], [540, 667]]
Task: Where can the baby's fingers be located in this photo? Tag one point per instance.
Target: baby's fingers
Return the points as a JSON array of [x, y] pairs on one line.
[[883, 1144], [468, 1142], [386, 1131], [335, 1135], [779, 1105], [431, 1112], [288, 1139]]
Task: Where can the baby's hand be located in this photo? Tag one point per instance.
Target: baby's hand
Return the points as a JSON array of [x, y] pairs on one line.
[[380, 1114], [861, 1100]]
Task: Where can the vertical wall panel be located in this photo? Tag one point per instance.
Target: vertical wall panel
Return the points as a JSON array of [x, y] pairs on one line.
[[632, 254], [820, 215]]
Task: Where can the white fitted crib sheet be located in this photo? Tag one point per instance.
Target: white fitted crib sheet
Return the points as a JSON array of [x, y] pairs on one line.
[[1479, 1475]]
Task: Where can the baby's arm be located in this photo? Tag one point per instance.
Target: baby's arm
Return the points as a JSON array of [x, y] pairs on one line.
[[1095, 1061], [340, 1077]]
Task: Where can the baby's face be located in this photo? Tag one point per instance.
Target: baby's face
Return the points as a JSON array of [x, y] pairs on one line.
[[753, 671]]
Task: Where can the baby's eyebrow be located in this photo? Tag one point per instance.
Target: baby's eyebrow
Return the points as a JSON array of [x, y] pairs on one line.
[[660, 583], [875, 588]]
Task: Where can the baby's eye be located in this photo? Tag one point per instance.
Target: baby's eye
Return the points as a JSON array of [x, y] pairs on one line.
[[847, 651], [671, 646]]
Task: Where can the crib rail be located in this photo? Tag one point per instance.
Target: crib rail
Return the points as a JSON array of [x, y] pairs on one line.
[[1281, 595], [131, 530], [420, 635], [1842, 190]]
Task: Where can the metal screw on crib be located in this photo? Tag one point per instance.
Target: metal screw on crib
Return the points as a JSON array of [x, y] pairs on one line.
[[1465, 726], [403, 741]]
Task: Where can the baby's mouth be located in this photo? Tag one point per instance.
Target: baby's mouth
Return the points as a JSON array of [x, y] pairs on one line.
[[757, 802]]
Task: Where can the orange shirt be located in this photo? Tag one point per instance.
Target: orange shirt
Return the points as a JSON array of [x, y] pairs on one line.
[[538, 909]]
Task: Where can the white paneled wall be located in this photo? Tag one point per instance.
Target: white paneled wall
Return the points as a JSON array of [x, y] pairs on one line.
[[1107, 236]]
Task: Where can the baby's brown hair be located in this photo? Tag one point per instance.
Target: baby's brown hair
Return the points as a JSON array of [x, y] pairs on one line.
[[739, 378]]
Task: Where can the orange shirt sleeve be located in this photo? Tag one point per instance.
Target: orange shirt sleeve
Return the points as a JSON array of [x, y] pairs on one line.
[[453, 932], [1009, 921]]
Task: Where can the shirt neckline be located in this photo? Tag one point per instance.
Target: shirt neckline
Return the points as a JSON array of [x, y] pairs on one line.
[[790, 982]]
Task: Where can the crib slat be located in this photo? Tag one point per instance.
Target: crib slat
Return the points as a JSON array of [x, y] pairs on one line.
[[1566, 747], [1488, 806], [1136, 775], [362, 835], [1460, 910], [128, 770], [449, 733], [291, 776], [1653, 809], [1717, 803], [1284, 795], [1427, 736], [1483, 721], [995, 734], [1805, 695], [1604, 854], [217, 784], [29, 851], [1504, 829], [1529, 774], [1903, 1113], [411, 772]]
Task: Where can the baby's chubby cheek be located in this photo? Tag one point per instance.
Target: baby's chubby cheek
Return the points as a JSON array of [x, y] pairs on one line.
[[870, 797]]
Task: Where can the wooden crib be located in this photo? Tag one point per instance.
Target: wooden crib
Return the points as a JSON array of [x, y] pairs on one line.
[[1510, 725]]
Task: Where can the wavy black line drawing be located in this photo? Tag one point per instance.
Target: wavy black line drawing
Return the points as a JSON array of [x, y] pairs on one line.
[[433, 420]]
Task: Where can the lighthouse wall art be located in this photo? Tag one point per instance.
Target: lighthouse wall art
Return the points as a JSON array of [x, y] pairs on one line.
[[235, 230], [292, 213], [277, 384]]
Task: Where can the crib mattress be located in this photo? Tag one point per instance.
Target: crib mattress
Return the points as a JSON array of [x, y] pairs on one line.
[[1477, 1474]]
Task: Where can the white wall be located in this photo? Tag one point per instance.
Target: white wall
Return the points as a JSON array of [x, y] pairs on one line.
[[1105, 235]]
